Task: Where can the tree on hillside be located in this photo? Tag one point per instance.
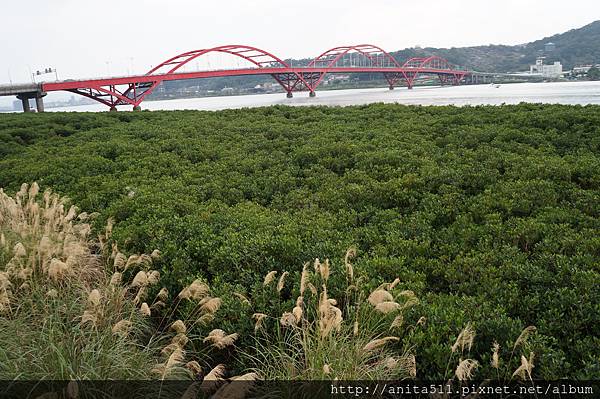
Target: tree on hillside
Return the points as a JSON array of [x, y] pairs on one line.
[[593, 74]]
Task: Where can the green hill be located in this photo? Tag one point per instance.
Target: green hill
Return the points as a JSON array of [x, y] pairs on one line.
[[575, 47]]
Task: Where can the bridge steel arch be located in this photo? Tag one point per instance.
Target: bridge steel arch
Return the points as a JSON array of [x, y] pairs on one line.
[[432, 65], [258, 57], [375, 54], [135, 93]]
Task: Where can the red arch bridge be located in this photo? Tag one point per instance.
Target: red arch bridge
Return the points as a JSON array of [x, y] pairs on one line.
[[364, 58]]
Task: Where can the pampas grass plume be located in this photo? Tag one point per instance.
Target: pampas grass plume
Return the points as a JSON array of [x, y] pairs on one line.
[[122, 327], [379, 296], [133, 259], [25, 274], [120, 261], [212, 305], [464, 339], [145, 309], [393, 284], [213, 379], [175, 359], [524, 336], [167, 350], [287, 319], [163, 294], [242, 298], [465, 368], [526, 367], [179, 327], [219, 339], [115, 279], [141, 294], [495, 355], [387, 307], [281, 282], [180, 340], [155, 255], [58, 269], [72, 390], [350, 253], [237, 391], [19, 250], [195, 291], [194, 367], [398, 321], [258, 317], [4, 280], [269, 277], [297, 312], [153, 277], [90, 317], [324, 269], [94, 298], [205, 319], [140, 279], [378, 343], [304, 278]]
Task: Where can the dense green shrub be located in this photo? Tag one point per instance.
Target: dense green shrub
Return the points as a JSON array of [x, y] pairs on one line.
[[489, 213]]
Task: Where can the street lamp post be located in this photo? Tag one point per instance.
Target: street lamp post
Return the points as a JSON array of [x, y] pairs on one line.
[[46, 71]]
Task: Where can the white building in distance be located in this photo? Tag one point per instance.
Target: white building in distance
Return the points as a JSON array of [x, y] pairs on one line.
[[583, 69], [547, 71]]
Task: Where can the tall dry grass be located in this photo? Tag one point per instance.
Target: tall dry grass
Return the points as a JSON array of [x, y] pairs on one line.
[[73, 307], [467, 367], [352, 337], [58, 307]]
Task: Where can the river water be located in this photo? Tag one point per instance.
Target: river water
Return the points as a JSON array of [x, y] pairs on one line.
[[556, 93]]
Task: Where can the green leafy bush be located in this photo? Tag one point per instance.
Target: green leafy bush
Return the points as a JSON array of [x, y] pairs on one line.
[[489, 213]]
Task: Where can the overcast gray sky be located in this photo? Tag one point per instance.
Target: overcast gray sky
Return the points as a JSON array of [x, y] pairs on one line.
[[96, 38]]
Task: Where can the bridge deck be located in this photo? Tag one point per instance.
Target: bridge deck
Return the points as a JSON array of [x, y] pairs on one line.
[[15, 89]]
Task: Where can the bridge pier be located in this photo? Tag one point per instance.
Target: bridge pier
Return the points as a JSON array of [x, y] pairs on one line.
[[25, 102], [312, 94], [39, 100], [391, 87], [39, 103], [289, 94], [137, 108], [112, 109]]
